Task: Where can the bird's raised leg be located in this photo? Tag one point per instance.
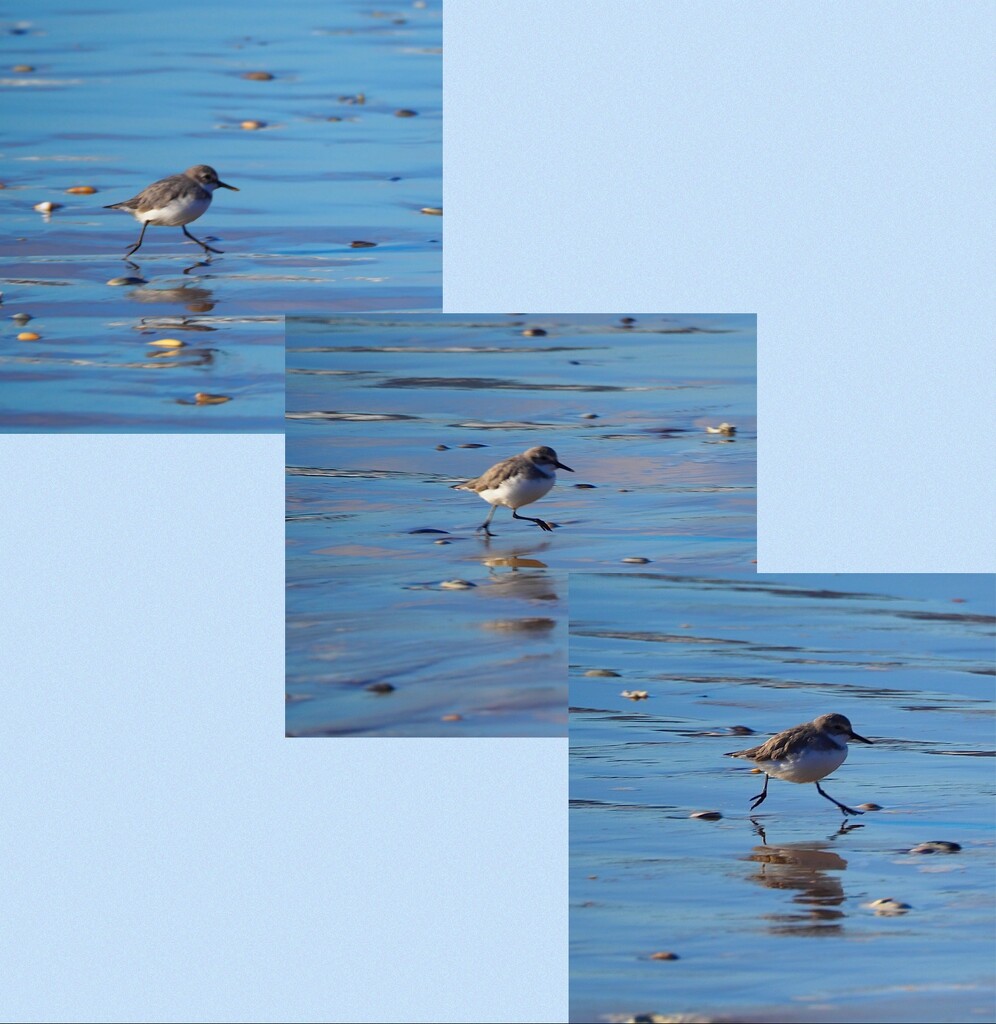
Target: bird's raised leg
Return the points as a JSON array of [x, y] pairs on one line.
[[539, 522], [203, 245], [843, 807]]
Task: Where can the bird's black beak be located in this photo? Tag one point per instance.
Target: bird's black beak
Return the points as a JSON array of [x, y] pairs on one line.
[[855, 736], [221, 184], [560, 465]]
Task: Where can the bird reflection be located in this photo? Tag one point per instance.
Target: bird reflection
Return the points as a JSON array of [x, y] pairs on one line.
[[524, 584], [517, 553], [807, 869], [195, 297]]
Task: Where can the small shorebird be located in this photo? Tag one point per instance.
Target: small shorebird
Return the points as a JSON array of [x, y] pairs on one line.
[[517, 481], [174, 202], [804, 753]]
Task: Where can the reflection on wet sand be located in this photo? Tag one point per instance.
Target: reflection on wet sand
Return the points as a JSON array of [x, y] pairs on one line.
[[195, 297], [803, 868]]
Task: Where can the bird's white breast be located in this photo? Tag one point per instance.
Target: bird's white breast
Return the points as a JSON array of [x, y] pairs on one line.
[[517, 491], [176, 212], [810, 765]]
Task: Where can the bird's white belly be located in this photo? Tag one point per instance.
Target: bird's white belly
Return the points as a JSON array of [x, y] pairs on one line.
[[175, 213], [810, 766], [518, 491]]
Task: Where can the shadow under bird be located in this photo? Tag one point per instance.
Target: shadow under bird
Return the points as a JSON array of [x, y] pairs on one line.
[[517, 481], [174, 202], [804, 753]]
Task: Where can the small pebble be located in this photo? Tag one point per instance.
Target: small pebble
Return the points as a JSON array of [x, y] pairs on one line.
[[47, 207], [362, 245], [635, 694], [457, 585], [723, 428], [534, 332], [21, 318], [936, 846], [22, 69], [636, 561], [81, 190], [28, 336], [869, 807], [663, 956], [452, 718], [252, 126], [706, 815], [433, 211], [442, 447], [168, 343], [258, 76], [406, 113], [379, 688], [741, 730], [889, 906], [599, 672], [583, 487], [442, 542], [589, 415], [117, 281], [203, 398]]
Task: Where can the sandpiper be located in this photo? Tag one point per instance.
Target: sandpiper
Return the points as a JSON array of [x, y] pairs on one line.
[[517, 481], [804, 753], [174, 202]]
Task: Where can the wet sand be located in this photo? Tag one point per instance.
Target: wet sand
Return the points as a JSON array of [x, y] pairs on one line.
[[374, 528], [770, 917]]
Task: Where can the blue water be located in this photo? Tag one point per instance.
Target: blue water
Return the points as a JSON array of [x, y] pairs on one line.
[[370, 401], [121, 97], [769, 917]]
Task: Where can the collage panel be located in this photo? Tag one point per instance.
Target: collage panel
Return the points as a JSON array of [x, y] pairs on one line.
[[446, 474], [184, 188], [863, 891]]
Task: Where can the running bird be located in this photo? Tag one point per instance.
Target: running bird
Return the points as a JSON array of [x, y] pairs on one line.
[[174, 202], [804, 753], [517, 481]]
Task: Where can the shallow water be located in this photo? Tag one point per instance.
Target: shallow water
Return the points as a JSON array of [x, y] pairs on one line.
[[116, 106], [769, 918], [369, 402]]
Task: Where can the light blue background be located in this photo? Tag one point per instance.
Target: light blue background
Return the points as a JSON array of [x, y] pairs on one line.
[[826, 165], [167, 854]]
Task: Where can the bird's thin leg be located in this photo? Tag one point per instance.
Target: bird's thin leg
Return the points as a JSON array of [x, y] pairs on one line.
[[762, 796], [203, 245], [484, 525], [539, 522], [845, 809], [138, 244]]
